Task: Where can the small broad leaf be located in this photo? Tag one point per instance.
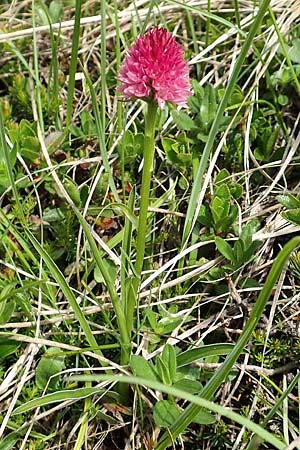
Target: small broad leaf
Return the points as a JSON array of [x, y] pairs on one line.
[[202, 137], [271, 141], [224, 248], [30, 148], [56, 10], [195, 100], [292, 215], [204, 418], [111, 269], [220, 208], [167, 324], [258, 154], [226, 223], [72, 189], [41, 15], [236, 97], [142, 368], [223, 175], [9, 441], [177, 151], [7, 308], [87, 123], [188, 385], [222, 192], [205, 217], [251, 250], [152, 319], [7, 304], [248, 231], [246, 236], [294, 51], [169, 146], [84, 194], [183, 121], [54, 140], [12, 155], [208, 108], [132, 145], [184, 158], [236, 190], [165, 413], [220, 205], [7, 347], [288, 200], [238, 252], [283, 100], [50, 364], [4, 178]]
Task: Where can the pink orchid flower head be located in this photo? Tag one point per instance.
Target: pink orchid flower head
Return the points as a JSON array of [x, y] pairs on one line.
[[155, 69]]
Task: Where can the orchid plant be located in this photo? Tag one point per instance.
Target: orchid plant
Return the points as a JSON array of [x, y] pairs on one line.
[[154, 71]]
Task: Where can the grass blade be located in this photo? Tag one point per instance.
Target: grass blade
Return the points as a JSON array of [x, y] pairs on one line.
[[60, 279], [36, 71], [73, 65], [101, 138], [186, 358], [61, 396], [256, 441]]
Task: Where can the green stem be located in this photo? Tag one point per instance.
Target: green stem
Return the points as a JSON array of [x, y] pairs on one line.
[[132, 298], [145, 190], [115, 300], [103, 63]]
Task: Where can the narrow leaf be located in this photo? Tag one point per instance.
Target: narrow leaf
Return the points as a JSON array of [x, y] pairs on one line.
[[190, 356], [169, 358], [61, 396]]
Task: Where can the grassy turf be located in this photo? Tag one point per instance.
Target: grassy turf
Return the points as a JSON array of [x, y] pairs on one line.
[[213, 320]]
